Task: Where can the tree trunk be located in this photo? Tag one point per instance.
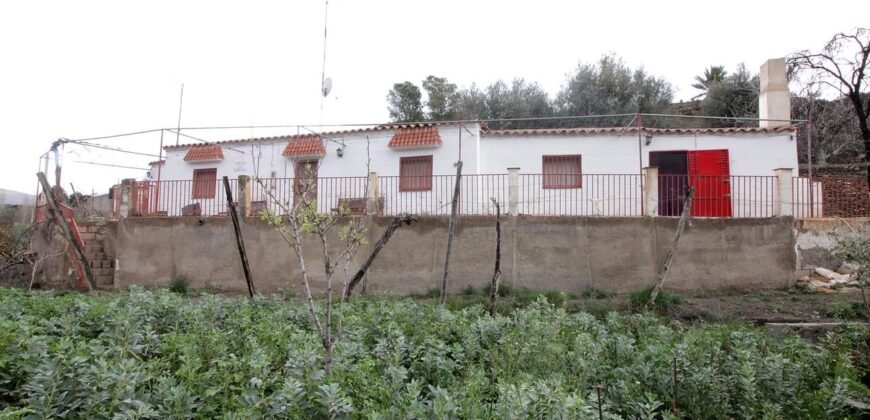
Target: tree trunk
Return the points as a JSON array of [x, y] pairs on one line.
[[663, 274], [493, 287], [450, 226], [327, 365], [388, 232], [865, 129]]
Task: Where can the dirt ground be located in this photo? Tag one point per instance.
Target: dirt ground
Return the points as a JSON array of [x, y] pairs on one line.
[[774, 306]]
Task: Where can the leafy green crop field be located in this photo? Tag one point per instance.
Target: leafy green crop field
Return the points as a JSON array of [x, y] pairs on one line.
[[150, 354]]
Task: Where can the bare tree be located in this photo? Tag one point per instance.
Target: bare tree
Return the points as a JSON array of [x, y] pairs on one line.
[[842, 66], [303, 219]]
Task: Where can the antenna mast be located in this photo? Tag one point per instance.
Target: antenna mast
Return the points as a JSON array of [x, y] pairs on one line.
[[178, 129], [323, 92]]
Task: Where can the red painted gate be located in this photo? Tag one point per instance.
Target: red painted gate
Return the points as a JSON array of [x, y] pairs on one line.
[[710, 175]]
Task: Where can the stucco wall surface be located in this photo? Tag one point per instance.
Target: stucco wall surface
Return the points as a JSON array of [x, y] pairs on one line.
[[816, 239], [546, 253]]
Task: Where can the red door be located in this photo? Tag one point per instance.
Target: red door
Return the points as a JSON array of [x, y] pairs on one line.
[[710, 175]]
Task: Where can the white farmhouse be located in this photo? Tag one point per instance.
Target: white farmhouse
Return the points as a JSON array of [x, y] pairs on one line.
[[575, 171]]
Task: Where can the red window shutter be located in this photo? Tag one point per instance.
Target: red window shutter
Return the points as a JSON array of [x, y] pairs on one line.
[[562, 171], [415, 173], [204, 183]]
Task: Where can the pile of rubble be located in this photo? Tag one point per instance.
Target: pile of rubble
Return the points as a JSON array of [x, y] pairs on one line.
[[820, 279]]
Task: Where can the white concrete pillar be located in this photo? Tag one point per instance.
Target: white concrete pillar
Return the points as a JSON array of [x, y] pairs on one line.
[[784, 194], [126, 207], [374, 194], [774, 99], [244, 198], [514, 191], [651, 191]]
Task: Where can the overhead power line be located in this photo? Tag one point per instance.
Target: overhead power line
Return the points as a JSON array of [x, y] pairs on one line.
[[309, 127]]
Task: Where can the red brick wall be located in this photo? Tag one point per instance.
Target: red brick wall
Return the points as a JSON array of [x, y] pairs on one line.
[[845, 196]]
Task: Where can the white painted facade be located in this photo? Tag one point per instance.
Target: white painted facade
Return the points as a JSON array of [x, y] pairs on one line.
[[612, 165]]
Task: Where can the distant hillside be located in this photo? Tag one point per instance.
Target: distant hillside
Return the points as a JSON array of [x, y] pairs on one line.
[[15, 198]]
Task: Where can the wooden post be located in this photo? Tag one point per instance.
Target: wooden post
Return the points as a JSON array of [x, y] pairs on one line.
[[663, 273], [493, 286], [450, 226], [388, 232], [67, 232], [239, 241]]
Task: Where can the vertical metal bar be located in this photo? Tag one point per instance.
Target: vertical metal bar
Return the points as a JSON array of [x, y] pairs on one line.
[[810, 160]]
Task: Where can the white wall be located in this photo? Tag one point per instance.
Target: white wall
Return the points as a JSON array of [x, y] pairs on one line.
[[755, 154], [266, 160]]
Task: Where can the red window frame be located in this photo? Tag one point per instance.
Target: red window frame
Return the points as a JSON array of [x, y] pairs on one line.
[[562, 171], [204, 183], [415, 173]]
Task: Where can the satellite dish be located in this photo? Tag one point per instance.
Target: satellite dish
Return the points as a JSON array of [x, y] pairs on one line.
[[327, 86]]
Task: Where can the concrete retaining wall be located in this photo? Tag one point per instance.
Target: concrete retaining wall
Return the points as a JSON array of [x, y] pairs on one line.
[[817, 238], [547, 253]]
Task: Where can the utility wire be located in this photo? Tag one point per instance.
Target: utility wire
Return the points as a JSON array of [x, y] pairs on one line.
[[114, 166], [471, 121], [114, 149]]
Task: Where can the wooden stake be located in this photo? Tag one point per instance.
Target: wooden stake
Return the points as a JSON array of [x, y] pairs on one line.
[[496, 275], [450, 226], [67, 231], [388, 232], [663, 273], [239, 241]]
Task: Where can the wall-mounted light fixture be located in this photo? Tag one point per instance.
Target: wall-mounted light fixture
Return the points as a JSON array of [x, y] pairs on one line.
[[339, 152], [648, 139]]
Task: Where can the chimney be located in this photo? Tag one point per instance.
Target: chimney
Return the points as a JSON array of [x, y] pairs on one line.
[[774, 100]]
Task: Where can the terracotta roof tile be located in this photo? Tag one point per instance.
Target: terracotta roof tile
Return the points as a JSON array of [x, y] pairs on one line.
[[204, 152], [327, 134], [416, 136], [622, 130], [305, 145]]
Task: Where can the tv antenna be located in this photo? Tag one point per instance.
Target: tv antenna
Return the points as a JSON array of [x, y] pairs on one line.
[[325, 83]]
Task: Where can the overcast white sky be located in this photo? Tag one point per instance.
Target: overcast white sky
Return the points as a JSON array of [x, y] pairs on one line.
[[90, 68]]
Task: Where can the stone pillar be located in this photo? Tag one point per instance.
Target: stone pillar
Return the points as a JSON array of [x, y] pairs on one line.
[[244, 195], [783, 192], [513, 191], [126, 207], [774, 99], [651, 191], [374, 193]]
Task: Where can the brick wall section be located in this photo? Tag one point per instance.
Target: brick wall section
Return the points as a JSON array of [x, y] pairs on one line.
[[845, 197], [100, 251]]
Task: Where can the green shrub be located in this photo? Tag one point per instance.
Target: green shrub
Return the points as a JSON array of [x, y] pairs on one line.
[[178, 284], [158, 354], [665, 301], [599, 308], [556, 298], [468, 290], [845, 310], [591, 292]]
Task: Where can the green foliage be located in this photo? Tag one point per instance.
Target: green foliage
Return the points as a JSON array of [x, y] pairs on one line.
[[845, 310], [162, 355], [665, 301], [856, 250], [404, 101], [442, 99], [711, 76], [591, 292], [178, 284], [611, 87], [734, 95]]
